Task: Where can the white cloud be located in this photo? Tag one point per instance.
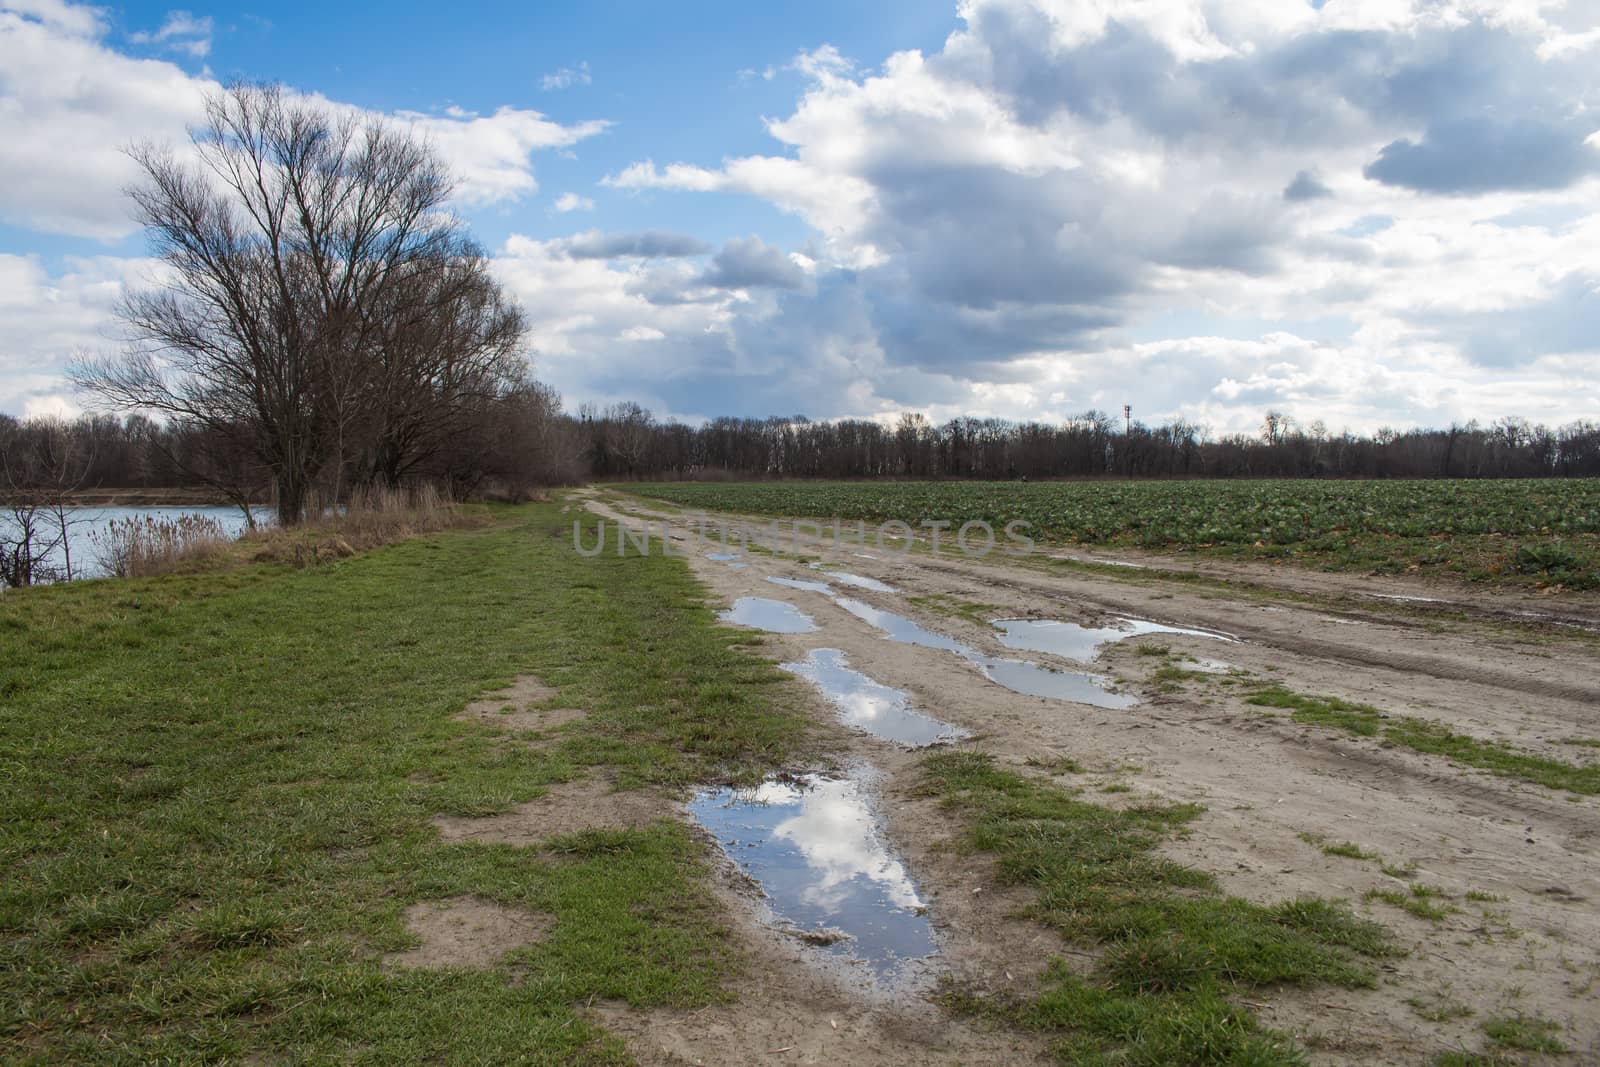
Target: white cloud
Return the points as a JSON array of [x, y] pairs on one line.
[[52, 319], [70, 103], [567, 202], [489, 154], [181, 32], [566, 77], [1004, 223]]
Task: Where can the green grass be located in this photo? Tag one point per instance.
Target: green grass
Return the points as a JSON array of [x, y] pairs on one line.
[[1526, 1033], [1349, 850], [1339, 714], [1173, 950], [216, 793], [1425, 902], [1422, 735], [1518, 531]]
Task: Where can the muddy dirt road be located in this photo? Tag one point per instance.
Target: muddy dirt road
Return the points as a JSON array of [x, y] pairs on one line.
[[1146, 695]]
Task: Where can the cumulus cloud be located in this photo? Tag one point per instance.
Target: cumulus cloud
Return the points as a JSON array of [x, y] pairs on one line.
[[997, 220], [650, 244], [70, 103], [51, 318], [751, 263], [567, 202], [1478, 155]]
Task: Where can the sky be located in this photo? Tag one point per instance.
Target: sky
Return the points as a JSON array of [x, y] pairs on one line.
[[1365, 212]]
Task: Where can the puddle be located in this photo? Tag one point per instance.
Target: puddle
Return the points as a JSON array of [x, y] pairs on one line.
[[724, 557], [1410, 599], [899, 628], [1082, 643], [773, 616], [862, 583], [1032, 680], [801, 583], [815, 848], [1018, 676], [867, 705]]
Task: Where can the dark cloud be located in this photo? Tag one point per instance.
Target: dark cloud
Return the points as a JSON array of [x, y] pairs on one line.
[[649, 244], [1467, 156], [1306, 186], [751, 263]]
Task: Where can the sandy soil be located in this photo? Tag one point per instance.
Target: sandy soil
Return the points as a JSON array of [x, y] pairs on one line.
[[1475, 660]]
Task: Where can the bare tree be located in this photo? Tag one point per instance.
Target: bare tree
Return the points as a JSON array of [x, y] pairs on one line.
[[315, 275], [39, 472]]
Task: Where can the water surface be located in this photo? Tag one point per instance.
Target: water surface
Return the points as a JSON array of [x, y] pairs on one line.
[[1083, 643], [773, 616], [815, 847], [867, 705]]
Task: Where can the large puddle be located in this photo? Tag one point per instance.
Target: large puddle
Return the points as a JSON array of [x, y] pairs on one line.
[[773, 616], [1032, 680], [1029, 679], [815, 848], [1082, 643], [867, 705]]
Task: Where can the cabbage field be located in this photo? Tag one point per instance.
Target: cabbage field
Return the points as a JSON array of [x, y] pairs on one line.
[[1540, 530]]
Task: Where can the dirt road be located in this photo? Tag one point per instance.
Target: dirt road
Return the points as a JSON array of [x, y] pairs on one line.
[[1515, 859]]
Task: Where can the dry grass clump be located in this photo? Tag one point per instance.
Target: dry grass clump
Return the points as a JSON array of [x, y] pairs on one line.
[[373, 517], [147, 545]]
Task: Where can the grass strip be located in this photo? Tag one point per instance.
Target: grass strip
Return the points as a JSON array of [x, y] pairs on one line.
[[1423, 735], [216, 793], [1174, 950]]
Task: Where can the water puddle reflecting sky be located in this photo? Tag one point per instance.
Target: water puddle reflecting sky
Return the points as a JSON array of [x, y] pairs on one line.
[[899, 628], [773, 616], [816, 849], [867, 705], [1082, 643], [1029, 679]]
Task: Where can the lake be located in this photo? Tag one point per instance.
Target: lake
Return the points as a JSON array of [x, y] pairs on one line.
[[89, 520]]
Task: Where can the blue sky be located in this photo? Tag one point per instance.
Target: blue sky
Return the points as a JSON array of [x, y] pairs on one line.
[[1364, 212]]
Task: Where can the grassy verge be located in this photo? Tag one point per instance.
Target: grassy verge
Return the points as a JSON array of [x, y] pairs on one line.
[[216, 793], [1174, 950], [1422, 735]]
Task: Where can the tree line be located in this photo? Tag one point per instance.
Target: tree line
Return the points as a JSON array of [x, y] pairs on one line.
[[625, 442], [522, 441]]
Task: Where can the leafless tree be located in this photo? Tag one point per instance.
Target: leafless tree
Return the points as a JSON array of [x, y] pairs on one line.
[[319, 289], [39, 472]]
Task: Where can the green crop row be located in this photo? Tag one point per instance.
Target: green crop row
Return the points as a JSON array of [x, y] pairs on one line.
[[1538, 527]]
